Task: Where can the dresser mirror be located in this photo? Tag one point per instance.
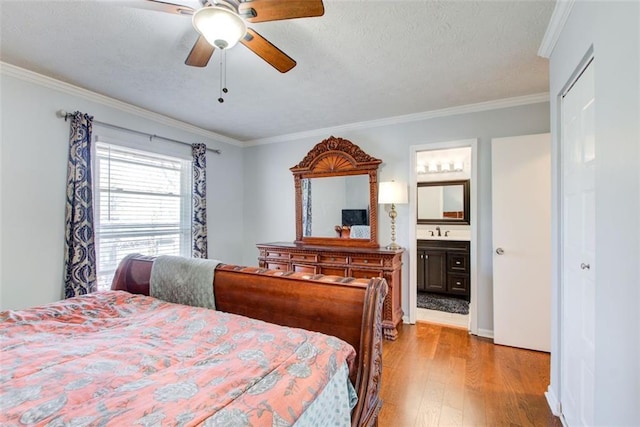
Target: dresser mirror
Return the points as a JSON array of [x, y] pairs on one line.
[[336, 191], [336, 201], [443, 202]]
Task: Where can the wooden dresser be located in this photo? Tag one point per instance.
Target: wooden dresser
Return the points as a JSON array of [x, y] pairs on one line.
[[347, 262]]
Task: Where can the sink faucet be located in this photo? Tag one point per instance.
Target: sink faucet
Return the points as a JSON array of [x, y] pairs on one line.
[[438, 230], [446, 233]]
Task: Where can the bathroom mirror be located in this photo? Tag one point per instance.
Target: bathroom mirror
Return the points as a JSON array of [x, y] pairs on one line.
[[336, 191], [443, 202]]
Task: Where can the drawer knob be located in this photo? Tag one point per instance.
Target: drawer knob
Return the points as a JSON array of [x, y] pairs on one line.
[[458, 283], [366, 261], [458, 262]]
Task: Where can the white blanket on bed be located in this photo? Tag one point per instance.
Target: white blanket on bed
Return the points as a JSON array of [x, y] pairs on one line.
[[187, 281]]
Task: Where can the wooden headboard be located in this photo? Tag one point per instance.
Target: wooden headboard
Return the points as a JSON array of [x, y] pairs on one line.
[[350, 309]]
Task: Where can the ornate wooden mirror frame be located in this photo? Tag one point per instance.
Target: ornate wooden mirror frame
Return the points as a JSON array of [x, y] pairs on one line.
[[330, 158]]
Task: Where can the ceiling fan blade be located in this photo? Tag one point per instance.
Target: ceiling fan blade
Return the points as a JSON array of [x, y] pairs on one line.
[[267, 51], [200, 53], [275, 10], [162, 6]]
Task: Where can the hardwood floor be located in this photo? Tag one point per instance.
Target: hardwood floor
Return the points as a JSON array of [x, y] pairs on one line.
[[434, 375]]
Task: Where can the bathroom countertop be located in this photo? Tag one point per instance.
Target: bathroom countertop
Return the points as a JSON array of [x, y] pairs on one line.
[[453, 235]]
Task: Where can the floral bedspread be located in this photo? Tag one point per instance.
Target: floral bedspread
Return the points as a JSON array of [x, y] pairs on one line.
[[113, 358]]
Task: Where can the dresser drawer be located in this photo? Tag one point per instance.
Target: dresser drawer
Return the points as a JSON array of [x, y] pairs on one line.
[[334, 271], [365, 274], [334, 259], [366, 262], [301, 268], [278, 266], [458, 263], [304, 257], [277, 255]]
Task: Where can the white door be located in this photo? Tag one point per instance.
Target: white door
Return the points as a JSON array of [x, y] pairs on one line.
[[521, 211], [578, 251]]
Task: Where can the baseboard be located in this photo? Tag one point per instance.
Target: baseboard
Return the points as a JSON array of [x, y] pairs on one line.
[[553, 402], [485, 333]]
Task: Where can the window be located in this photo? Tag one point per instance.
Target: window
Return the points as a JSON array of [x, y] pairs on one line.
[[143, 205]]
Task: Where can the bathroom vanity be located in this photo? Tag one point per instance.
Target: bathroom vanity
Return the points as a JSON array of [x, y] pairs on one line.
[[443, 266]]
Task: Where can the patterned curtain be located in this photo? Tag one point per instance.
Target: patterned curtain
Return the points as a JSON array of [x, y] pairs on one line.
[[199, 199], [79, 239], [306, 207]]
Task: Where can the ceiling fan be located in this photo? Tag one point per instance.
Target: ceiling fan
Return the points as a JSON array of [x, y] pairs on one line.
[[222, 23]]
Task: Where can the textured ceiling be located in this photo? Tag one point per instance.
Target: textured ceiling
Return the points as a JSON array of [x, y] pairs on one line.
[[361, 61]]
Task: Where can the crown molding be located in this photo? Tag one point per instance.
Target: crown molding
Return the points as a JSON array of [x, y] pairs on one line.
[[463, 109], [558, 18], [51, 83]]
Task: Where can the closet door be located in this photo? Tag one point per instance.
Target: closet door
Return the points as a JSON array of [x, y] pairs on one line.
[[578, 251]]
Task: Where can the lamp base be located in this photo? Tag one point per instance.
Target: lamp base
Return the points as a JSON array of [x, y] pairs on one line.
[[393, 246]]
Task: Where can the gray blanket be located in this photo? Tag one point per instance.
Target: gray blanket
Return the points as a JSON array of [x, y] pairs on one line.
[[187, 281]]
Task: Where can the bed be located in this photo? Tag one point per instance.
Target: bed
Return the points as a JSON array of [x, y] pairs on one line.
[[124, 358]]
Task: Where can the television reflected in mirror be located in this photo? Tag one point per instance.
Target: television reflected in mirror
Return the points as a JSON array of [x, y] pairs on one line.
[[355, 217]]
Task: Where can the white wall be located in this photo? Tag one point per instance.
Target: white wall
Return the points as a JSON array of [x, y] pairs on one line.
[[33, 178], [254, 181], [269, 193], [612, 30]]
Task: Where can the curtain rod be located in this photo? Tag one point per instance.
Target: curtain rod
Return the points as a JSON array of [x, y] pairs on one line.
[[64, 115]]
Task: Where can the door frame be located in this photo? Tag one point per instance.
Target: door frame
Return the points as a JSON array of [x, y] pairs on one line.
[[413, 267]]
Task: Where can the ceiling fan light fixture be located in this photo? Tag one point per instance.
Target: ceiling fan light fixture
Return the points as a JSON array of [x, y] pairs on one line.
[[221, 27]]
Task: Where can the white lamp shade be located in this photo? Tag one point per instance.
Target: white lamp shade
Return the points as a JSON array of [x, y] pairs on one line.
[[220, 27], [392, 192]]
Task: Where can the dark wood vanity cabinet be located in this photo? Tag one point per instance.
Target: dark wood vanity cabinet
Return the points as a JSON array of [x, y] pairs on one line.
[[361, 263], [443, 267], [432, 271]]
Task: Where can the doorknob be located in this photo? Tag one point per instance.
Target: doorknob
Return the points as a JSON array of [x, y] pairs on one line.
[[585, 266], [500, 251]]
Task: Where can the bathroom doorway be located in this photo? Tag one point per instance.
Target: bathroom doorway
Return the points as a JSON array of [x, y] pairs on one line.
[[443, 242]]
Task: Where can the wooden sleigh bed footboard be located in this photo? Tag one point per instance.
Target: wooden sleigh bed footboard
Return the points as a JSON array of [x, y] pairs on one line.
[[350, 309]]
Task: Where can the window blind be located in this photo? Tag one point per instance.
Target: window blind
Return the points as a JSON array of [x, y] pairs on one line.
[[143, 205]]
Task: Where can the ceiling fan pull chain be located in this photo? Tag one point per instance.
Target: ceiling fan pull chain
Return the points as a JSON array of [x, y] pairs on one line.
[[221, 99], [224, 60], [223, 74]]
